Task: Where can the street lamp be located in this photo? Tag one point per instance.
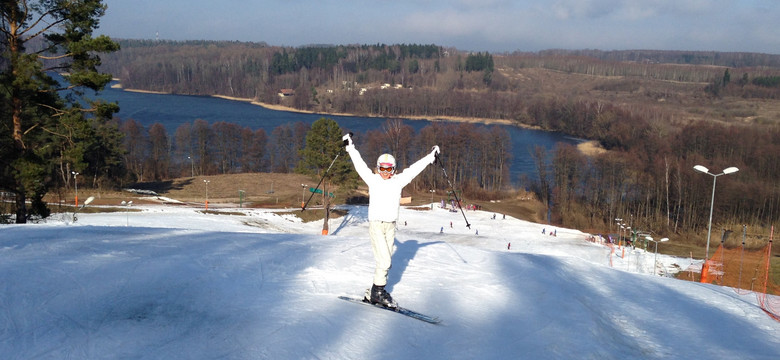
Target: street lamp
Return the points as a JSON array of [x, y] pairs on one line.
[[207, 193], [76, 181], [127, 213], [192, 166], [303, 195], [628, 234], [655, 259], [726, 171], [623, 230]]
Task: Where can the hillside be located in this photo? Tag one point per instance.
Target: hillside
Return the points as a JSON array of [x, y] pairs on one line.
[[347, 79]]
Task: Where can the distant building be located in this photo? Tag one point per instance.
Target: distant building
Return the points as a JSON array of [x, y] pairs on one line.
[[406, 198], [286, 92]]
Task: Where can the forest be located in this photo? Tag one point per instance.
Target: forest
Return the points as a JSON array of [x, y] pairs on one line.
[[655, 114]]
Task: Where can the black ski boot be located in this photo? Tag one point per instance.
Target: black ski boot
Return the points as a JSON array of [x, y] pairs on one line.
[[378, 296]]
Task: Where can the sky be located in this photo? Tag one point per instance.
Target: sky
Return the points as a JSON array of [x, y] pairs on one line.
[[471, 25], [173, 282]]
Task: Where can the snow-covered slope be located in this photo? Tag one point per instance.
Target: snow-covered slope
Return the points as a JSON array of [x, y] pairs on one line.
[[180, 284]]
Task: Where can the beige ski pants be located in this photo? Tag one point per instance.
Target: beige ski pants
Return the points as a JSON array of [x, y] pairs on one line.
[[382, 238]]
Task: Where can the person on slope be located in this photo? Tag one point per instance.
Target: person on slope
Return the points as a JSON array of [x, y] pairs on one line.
[[384, 203]]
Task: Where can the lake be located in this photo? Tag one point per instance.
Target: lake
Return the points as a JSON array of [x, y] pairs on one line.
[[174, 110]]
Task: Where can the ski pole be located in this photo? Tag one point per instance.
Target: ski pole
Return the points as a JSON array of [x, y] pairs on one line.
[[453, 190], [322, 178]]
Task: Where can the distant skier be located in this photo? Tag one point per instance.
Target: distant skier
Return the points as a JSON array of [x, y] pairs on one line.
[[384, 203]]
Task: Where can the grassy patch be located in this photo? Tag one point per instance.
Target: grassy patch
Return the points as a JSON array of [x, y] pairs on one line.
[[217, 212], [310, 215], [92, 209]]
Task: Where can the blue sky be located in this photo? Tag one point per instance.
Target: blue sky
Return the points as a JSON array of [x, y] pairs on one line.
[[477, 25]]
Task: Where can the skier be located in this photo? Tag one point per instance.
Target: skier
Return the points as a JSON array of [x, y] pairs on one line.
[[384, 203]]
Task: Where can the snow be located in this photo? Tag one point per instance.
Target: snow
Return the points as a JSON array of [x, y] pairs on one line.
[[173, 282]]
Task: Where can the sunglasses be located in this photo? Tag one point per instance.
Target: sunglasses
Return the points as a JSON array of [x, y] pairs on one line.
[[386, 169]]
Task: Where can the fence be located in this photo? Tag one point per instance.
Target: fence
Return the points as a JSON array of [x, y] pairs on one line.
[[744, 270]]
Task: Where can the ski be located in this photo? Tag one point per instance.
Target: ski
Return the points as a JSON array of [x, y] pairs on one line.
[[403, 311]]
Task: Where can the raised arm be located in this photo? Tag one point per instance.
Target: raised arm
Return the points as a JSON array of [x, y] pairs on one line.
[[360, 166], [412, 171]]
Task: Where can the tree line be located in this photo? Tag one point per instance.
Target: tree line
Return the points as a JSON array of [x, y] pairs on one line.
[[377, 57], [717, 58], [479, 157]]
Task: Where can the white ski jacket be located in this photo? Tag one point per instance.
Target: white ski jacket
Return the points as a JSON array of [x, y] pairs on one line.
[[384, 196]]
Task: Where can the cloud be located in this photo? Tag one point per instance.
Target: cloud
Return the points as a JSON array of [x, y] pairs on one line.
[[575, 9], [629, 9]]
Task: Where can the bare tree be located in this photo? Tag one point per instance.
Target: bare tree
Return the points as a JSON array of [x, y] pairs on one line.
[[159, 157], [184, 150], [136, 144]]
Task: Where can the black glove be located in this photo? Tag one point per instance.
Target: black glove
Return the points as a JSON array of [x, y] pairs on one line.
[[435, 151], [347, 139]]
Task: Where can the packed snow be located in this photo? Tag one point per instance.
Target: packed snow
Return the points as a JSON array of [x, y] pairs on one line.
[[175, 282]]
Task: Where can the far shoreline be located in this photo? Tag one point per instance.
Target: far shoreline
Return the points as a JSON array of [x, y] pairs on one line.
[[292, 109], [587, 147], [432, 119]]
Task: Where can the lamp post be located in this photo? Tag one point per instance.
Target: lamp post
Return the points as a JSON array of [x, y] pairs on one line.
[[207, 193], [655, 259], [192, 166], [303, 195], [726, 171], [628, 234], [76, 181], [617, 226], [127, 213], [624, 232]]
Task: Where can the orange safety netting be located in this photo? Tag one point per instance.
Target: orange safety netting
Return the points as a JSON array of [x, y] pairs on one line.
[[745, 271]]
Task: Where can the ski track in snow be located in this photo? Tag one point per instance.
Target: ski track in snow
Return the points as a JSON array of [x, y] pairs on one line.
[[178, 283]]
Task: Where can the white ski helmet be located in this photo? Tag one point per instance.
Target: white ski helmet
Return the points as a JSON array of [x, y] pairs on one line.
[[385, 160]]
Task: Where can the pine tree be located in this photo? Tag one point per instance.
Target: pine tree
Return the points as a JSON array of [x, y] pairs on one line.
[[323, 145], [44, 123]]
